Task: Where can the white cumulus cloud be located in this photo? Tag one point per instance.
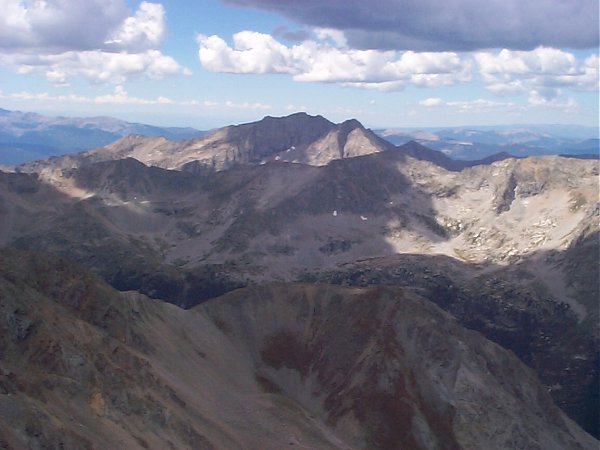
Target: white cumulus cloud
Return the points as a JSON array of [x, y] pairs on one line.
[[252, 52], [144, 30], [118, 97], [432, 101], [543, 70], [95, 39], [569, 105], [95, 65], [327, 59]]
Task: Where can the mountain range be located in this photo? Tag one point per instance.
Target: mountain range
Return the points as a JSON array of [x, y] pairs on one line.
[[470, 143], [327, 289], [298, 138], [26, 136]]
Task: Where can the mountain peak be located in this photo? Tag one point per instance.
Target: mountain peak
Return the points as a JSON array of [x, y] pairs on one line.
[[296, 138], [294, 116], [352, 123], [298, 119]]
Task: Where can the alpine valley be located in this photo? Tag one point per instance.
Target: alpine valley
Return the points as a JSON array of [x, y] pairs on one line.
[[295, 283]]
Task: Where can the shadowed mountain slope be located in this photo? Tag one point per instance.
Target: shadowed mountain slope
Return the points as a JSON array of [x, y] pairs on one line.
[[281, 365]]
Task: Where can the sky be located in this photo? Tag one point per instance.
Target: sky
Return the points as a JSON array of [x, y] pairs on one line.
[[387, 63]]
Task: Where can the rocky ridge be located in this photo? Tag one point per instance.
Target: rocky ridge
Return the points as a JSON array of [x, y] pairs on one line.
[[298, 138]]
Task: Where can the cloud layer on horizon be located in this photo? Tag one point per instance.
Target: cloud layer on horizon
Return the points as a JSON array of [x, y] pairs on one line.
[[121, 97], [58, 39], [454, 25]]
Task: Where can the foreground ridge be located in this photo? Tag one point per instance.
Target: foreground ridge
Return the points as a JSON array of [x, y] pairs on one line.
[[262, 367]]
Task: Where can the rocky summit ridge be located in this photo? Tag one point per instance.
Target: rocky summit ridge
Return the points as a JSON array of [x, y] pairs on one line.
[[508, 247], [298, 138]]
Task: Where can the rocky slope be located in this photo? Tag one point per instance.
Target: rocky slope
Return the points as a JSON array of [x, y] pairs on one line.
[[510, 245], [375, 205], [297, 138], [283, 365], [510, 248], [508, 305]]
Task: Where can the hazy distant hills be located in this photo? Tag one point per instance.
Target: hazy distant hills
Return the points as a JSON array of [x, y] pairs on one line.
[[481, 142], [29, 136]]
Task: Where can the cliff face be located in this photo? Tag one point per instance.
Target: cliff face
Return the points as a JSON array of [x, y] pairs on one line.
[[84, 366]]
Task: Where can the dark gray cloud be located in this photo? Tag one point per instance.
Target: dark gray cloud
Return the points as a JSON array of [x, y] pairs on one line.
[[291, 35], [55, 26], [460, 25]]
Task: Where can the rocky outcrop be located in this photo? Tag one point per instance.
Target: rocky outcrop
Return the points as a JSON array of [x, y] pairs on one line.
[[510, 306]]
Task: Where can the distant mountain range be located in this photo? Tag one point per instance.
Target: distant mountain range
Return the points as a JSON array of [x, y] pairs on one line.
[[297, 138], [519, 140], [28, 136]]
